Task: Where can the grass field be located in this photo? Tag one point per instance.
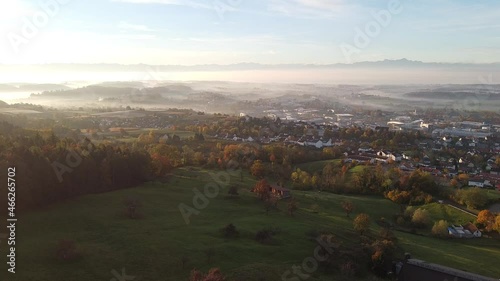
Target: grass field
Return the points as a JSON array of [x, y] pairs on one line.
[[444, 212], [152, 247], [316, 166]]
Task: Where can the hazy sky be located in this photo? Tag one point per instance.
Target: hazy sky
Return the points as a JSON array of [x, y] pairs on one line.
[[263, 31]]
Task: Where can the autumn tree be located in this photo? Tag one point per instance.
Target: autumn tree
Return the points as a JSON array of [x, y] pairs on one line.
[[440, 229], [257, 169], [486, 219], [348, 207], [472, 197], [497, 224], [361, 223], [270, 203], [262, 189], [214, 274], [420, 218], [463, 177]]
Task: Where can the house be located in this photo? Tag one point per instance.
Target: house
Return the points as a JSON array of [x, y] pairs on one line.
[[464, 231], [473, 229], [456, 231], [476, 182], [279, 191], [418, 270]]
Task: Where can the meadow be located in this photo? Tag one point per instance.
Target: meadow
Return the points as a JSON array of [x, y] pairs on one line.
[[161, 246]]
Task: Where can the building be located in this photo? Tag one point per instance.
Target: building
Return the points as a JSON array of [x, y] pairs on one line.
[[279, 191], [477, 182], [472, 229], [468, 230]]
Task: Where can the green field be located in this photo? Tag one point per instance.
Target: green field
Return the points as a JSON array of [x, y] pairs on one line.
[[152, 247], [444, 212], [316, 166]]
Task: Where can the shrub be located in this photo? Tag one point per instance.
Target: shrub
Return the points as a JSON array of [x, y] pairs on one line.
[[132, 208], [420, 218], [265, 235], [229, 231], [214, 274], [400, 220], [233, 191], [440, 229], [361, 223]]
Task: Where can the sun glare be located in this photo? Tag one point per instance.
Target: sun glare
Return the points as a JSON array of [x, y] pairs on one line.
[[11, 9]]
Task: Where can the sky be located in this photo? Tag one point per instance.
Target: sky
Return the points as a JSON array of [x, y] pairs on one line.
[[192, 32]]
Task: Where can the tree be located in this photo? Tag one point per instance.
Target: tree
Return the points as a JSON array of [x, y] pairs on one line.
[[132, 207], [214, 274], [348, 207], [262, 189], [472, 197], [233, 190], [270, 203], [463, 178], [257, 169], [230, 231], [497, 224], [361, 223], [486, 219], [440, 229], [420, 218], [292, 207]]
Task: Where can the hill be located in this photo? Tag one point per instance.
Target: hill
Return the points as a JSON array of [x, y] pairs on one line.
[[154, 246]]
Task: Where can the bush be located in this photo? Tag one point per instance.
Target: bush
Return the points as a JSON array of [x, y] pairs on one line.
[[233, 191], [386, 234], [361, 223], [440, 229], [265, 236], [214, 274], [132, 208], [472, 197], [420, 218], [229, 231]]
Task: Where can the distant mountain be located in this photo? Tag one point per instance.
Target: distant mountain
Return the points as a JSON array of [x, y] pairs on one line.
[[30, 87], [402, 63], [3, 104]]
